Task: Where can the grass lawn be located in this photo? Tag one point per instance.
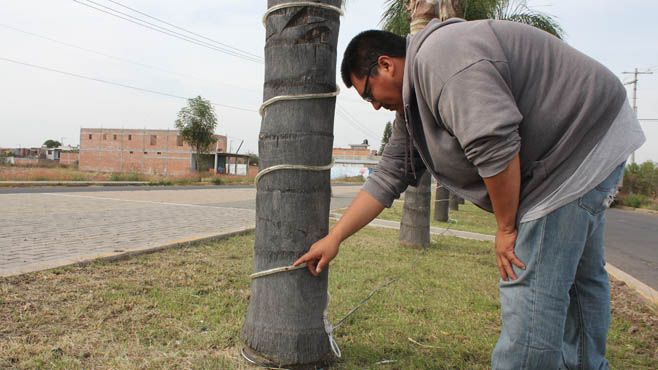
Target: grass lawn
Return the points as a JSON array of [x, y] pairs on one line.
[[468, 218], [183, 308]]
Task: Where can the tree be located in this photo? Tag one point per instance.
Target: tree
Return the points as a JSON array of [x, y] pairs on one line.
[[284, 324], [52, 143], [388, 130], [415, 222], [641, 179], [512, 10], [196, 124], [253, 158]]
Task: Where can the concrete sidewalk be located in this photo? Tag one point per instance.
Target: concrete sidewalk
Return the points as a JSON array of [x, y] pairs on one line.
[[45, 230]]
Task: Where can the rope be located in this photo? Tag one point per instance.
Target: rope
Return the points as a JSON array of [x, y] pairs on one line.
[[300, 4], [292, 167], [279, 98], [276, 270]]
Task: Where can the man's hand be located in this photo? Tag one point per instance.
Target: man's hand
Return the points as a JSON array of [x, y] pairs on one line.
[[319, 255], [505, 256]]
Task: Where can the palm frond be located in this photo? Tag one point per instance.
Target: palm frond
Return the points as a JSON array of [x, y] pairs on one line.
[[396, 17], [478, 9], [518, 11]]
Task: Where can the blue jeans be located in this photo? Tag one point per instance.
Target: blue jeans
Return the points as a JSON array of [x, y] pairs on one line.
[[557, 313]]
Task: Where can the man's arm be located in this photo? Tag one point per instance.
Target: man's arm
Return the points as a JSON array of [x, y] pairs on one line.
[[364, 208], [384, 185], [504, 189]]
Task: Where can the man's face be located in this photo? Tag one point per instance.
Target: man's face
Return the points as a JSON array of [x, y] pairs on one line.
[[384, 89]]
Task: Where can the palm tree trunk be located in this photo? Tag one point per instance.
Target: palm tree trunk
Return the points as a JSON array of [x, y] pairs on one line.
[[454, 202], [415, 223], [441, 203], [415, 226], [284, 323], [451, 9]]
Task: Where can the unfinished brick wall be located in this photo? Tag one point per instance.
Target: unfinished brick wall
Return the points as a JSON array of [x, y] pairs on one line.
[[161, 152], [69, 158], [350, 152]]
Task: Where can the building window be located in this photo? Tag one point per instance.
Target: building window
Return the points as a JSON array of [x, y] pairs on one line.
[[104, 136], [159, 153], [179, 140], [89, 136], [130, 137], [131, 152], [154, 139], [114, 137], [146, 152]]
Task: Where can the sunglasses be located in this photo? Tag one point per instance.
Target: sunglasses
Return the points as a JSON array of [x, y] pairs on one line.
[[367, 94]]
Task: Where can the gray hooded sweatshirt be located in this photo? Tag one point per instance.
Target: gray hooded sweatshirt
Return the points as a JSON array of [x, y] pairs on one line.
[[477, 93]]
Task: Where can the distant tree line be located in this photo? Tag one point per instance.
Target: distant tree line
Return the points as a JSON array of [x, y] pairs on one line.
[[640, 186]]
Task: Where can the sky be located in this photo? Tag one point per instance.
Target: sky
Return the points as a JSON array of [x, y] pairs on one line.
[[51, 49]]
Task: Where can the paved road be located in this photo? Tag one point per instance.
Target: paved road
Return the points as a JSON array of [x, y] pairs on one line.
[[40, 230], [632, 244]]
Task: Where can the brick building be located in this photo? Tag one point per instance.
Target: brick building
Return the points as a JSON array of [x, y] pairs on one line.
[[357, 160], [162, 152]]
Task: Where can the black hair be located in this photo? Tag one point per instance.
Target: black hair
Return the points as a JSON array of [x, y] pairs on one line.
[[364, 50]]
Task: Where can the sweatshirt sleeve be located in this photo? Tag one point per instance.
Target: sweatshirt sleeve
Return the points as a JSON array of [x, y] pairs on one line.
[[389, 179], [477, 105]]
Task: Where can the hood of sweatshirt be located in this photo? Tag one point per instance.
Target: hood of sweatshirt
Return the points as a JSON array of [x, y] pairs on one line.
[[413, 45]]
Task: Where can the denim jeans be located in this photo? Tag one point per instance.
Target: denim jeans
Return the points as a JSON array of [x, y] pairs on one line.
[[557, 313]]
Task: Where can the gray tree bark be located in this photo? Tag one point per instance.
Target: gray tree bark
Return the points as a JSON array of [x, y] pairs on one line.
[[415, 226], [454, 202], [451, 9], [284, 323], [441, 203], [415, 223]]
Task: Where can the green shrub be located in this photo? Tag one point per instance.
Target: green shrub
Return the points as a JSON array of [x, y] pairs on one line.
[[635, 200], [133, 176], [79, 177], [216, 181]]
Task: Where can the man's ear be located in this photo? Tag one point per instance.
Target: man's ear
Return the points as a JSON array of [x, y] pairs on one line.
[[385, 62]]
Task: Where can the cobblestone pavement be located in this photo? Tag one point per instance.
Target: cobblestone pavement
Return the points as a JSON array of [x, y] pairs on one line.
[[46, 230]]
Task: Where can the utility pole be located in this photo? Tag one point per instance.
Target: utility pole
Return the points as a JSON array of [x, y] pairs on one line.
[[634, 82]]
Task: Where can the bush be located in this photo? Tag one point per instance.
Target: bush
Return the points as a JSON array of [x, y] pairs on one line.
[[125, 177], [78, 177], [635, 200], [161, 183], [216, 181]]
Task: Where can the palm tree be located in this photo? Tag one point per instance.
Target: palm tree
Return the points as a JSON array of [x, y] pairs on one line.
[[396, 12], [284, 323]]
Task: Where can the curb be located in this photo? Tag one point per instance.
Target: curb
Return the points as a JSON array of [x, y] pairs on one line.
[[645, 291], [70, 183], [122, 255]]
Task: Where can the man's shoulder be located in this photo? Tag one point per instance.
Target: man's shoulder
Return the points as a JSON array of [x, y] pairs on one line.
[[451, 49]]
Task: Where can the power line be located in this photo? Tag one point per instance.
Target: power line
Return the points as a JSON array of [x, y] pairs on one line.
[[356, 127], [118, 84], [166, 31], [124, 60], [185, 30], [354, 123], [169, 32]]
